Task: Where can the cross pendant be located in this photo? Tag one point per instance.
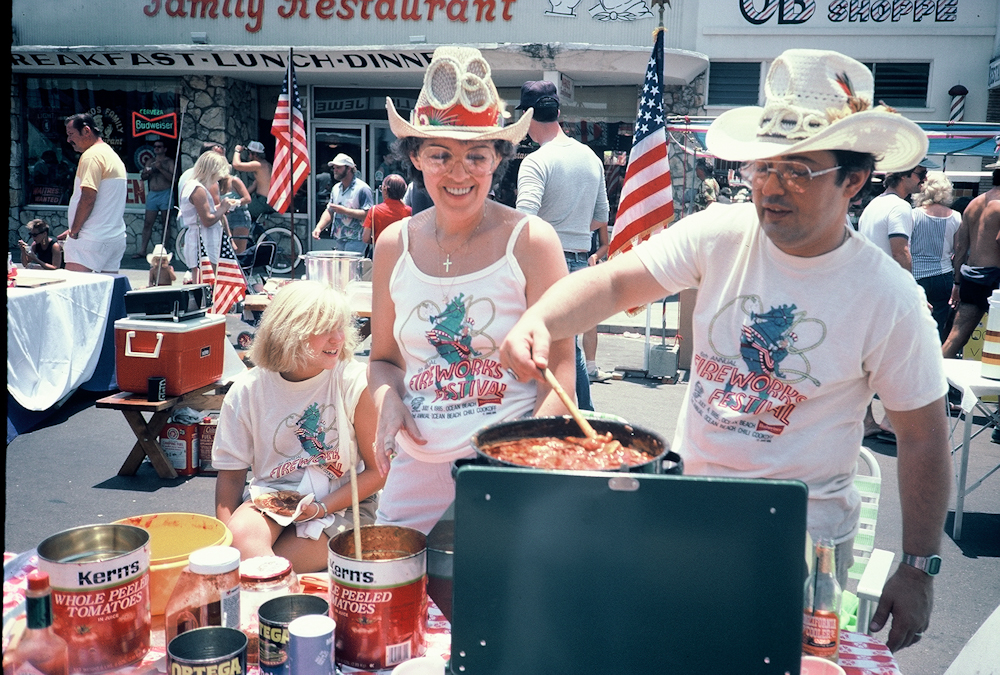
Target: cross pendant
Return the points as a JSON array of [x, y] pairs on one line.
[[447, 263]]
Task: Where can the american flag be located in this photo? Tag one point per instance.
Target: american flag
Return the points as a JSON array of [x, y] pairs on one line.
[[205, 263], [291, 154], [647, 202], [230, 286]]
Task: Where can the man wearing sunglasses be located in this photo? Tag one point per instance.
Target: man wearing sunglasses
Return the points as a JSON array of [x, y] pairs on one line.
[[798, 320]]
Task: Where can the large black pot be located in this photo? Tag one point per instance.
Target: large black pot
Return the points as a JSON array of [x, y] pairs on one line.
[[664, 460]]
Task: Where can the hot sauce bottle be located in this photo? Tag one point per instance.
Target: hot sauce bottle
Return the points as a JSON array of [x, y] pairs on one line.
[[821, 623], [207, 592], [40, 650]]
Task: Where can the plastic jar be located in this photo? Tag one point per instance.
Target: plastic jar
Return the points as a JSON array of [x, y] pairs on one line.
[[261, 579], [207, 592]]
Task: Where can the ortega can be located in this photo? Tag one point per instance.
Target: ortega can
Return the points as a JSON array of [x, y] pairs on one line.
[[156, 389], [209, 649], [310, 645], [100, 594], [274, 617], [379, 602]]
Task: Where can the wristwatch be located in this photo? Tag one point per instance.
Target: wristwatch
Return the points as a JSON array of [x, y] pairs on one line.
[[930, 565]]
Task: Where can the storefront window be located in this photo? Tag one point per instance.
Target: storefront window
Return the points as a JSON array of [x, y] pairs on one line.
[[131, 114]]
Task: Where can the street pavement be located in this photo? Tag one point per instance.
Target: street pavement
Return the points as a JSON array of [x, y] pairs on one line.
[[64, 474]]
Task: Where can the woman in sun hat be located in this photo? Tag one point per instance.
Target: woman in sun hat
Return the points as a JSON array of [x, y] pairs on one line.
[[448, 284]]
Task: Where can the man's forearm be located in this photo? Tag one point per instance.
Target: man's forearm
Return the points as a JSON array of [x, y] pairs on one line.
[[924, 468], [578, 302]]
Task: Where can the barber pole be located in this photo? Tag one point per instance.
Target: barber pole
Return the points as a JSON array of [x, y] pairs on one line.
[[957, 93]]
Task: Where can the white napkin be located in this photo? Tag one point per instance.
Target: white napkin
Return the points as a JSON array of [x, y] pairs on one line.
[[284, 521], [315, 482]]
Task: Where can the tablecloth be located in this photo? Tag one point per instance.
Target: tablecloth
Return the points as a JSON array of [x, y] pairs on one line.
[[859, 654], [55, 334]]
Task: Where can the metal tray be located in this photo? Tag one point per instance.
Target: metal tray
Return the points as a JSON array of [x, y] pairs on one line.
[[177, 303]]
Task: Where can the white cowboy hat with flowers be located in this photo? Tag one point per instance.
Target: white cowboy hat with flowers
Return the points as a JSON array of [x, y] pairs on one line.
[[459, 101], [818, 100]]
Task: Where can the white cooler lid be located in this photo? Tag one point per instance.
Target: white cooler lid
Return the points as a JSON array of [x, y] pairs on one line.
[[185, 326]]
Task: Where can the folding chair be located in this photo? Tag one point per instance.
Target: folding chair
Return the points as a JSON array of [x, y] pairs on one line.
[[871, 565], [257, 258]]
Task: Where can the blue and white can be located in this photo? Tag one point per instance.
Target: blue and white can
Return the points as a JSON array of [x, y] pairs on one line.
[[311, 645]]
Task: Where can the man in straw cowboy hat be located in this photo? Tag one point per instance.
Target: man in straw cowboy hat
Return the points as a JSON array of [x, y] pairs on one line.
[[798, 319]]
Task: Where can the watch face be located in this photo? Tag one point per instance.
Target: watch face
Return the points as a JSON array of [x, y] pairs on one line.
[[933, 564]]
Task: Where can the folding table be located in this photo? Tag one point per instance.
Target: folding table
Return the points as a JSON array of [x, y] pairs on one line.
[[964, 375]]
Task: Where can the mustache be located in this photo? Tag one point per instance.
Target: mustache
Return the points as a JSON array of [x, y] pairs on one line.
[[773, 203]]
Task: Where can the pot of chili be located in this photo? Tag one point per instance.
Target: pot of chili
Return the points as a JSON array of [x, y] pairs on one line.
[[558, 443]]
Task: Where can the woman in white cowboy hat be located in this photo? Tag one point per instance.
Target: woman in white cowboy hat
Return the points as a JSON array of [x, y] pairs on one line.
[[448, 285]]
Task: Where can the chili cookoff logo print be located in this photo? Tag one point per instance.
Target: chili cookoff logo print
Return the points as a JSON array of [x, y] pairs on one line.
[[754, 391], [316, 429], [460, 379]]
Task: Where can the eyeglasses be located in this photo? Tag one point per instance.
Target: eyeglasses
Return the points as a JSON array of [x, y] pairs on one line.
[[795, 176], [39, 233], [922, 175], [477, 162]]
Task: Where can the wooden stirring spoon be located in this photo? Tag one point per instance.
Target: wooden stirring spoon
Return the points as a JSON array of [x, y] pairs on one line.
[[599, 440]]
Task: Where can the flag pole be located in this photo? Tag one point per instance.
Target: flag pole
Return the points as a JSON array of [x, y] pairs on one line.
[[173, 182], [291, 186]]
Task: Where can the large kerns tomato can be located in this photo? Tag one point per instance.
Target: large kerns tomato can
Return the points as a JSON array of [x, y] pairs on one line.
[[379, 602], [100, 594]]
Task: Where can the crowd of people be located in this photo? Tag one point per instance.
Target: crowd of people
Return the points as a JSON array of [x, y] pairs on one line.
[[472, 300]]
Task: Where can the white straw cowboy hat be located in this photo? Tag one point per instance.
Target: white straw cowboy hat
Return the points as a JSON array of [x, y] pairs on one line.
[[159, 252], [459, 101], [818, 100]]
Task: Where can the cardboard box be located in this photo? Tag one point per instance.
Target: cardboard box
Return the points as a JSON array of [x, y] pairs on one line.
[[180, 445], [206, 439], [188, 353]]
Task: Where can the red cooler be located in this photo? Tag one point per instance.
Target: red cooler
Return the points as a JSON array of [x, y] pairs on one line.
[[187, 353]]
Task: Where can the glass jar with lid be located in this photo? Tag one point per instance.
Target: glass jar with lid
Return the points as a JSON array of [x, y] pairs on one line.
[[261, 579]]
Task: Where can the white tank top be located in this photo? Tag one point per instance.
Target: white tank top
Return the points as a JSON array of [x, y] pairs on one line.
[[449, 331], [189, 214]]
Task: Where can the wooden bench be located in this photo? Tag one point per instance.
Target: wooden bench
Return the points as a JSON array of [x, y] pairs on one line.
[[147, 434]]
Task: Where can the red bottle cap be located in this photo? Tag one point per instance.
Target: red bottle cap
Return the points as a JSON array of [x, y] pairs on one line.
[[38, 580]]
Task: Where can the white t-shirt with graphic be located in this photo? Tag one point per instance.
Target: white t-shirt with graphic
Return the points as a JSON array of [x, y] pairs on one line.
[[449, 331], [277, 428], [787, 352]]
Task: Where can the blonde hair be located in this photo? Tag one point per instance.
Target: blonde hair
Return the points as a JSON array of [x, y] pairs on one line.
[[937, 189], [211, 167], [299, 311]]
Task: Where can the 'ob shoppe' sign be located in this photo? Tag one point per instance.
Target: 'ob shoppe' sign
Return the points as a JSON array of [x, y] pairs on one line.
[[760, 12]]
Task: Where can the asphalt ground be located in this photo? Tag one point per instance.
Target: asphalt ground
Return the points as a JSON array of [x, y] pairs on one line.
[[64, 474]]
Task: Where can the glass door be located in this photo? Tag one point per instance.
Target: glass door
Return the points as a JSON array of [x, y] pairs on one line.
[[382, 139], [329, 140]]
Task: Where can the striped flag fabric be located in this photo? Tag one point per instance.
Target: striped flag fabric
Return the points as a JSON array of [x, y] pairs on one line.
[[230, 286], [647, 203], [291, 152], [204, 262]]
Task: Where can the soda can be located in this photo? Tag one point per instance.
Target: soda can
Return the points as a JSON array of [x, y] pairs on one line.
[[157, 389], [310, 645], [273, 619], [210, 649]]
